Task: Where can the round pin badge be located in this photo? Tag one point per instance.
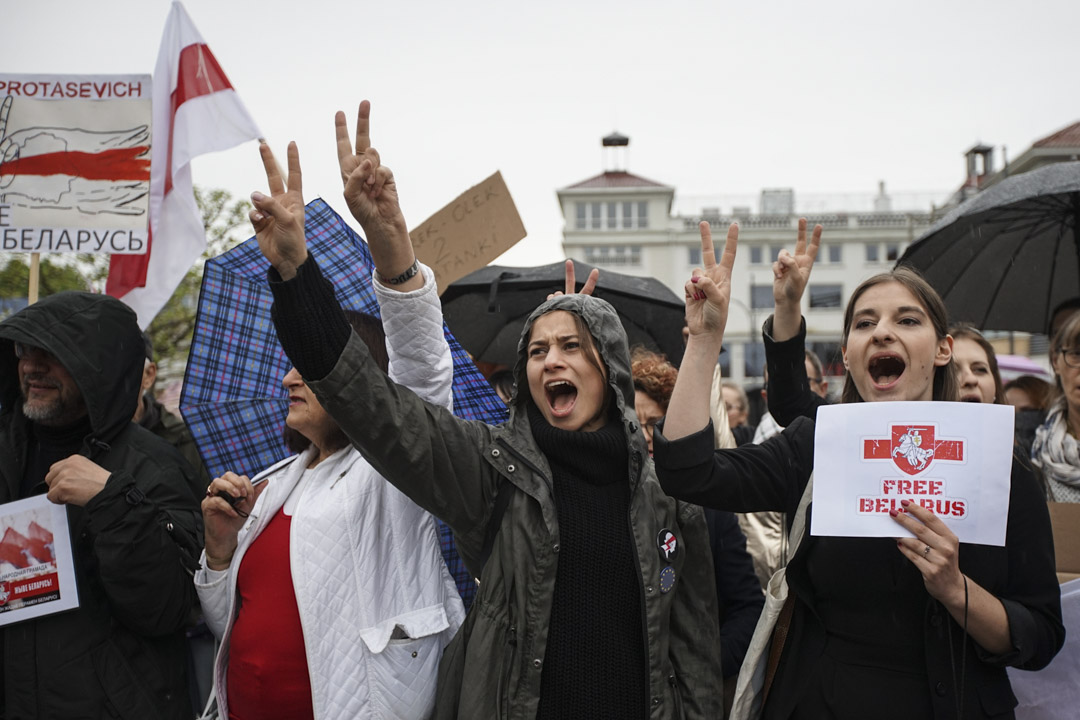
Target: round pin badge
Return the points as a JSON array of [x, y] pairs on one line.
[[668, 545], [667, 579]]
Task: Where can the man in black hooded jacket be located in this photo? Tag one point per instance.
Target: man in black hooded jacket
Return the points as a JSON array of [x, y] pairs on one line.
[[70, 370]]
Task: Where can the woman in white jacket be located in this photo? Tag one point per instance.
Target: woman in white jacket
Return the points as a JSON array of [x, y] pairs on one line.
[[325, 584]]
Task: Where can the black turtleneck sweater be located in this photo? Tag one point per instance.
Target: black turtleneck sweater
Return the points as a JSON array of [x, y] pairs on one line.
[[49, 445], [595, 665]]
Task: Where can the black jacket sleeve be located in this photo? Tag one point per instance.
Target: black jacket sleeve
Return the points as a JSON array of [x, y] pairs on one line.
[[789, 393], [737, 588], [309, 320], [751, 478]]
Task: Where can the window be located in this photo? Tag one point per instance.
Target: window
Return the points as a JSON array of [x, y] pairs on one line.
[[613, 255], [628, 214], [579, 219], [612, 215], [761, 297], [774, 252], [872, 252], [643, 214], [834, 253], [595, 216], [825, 296], [892, 252], [755, 254]]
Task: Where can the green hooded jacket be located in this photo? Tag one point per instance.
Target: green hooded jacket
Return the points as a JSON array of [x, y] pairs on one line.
[[121, 654], [455, 468]]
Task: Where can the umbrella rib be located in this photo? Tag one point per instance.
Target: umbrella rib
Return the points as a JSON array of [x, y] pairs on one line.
[[1031, 232], [1050, 285]]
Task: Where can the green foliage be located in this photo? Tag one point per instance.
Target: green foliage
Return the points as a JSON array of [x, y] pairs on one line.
[[52, 278]]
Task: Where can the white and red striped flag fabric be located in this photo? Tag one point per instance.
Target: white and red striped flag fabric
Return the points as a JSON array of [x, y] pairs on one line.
[[195, 111]]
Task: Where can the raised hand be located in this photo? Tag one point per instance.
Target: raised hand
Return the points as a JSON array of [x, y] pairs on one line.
[[571, 282], [708, 292], [791, 272], [372, 196], [279, 219]]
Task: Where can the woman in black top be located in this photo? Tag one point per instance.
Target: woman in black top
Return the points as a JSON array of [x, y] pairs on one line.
[[919, 627]]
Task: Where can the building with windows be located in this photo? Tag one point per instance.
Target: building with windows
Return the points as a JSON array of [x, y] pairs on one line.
[[623, 222]]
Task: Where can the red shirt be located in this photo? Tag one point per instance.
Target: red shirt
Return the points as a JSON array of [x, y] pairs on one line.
[[267, 676]]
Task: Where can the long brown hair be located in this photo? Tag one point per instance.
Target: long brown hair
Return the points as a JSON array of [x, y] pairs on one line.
[[946, 385]]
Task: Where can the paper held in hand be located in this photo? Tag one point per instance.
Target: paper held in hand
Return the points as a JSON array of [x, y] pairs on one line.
[[952, 458], [37, 574]]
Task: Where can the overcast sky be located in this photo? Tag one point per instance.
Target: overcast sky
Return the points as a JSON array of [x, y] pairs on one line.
[[717, 97]]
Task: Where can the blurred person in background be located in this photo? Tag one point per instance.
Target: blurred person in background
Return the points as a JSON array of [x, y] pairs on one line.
[[1056, 450], [738, 411]]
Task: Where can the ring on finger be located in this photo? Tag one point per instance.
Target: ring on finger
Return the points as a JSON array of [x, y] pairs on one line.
[[926, 551], [209, 492]]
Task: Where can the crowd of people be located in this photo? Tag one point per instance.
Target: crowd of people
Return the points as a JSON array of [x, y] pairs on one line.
[[626, 527]]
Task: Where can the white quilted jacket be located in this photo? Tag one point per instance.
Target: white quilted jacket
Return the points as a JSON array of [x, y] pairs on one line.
[[364, 558]]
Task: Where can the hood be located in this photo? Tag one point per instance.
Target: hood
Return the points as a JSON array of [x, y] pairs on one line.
[[606, 328], [96, 338]]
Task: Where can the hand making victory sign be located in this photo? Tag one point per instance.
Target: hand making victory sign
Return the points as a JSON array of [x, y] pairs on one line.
[[570, 283], [372, 196], [279, 219], [790, 275], [708, 292], [708, 295]]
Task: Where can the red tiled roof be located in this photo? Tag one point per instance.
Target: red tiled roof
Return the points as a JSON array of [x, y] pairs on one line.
[[614, 179], [1067, 137]]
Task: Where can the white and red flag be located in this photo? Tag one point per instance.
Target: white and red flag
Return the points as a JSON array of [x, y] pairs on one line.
[[195, 111]]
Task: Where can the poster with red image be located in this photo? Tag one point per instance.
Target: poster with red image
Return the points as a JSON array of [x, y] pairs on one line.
[[37, 575]]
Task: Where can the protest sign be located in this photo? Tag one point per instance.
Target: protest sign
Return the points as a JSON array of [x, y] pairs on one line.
[[37, 573], [74, 163], [954, 459], [474, 229]]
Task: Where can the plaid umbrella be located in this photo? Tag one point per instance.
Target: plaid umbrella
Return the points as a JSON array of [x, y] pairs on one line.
[[233, 399]]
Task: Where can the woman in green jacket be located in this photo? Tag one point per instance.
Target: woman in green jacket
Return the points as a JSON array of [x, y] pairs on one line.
[[596, 594]]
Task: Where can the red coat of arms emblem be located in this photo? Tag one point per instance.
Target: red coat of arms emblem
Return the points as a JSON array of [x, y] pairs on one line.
[[913, 448]]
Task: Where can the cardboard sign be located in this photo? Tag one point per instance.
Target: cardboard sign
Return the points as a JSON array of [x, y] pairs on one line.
[[954, 459], [37, 573], [74, 163], [477, 227], [1065, 521]]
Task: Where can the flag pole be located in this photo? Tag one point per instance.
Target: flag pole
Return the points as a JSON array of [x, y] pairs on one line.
[[35, 273]]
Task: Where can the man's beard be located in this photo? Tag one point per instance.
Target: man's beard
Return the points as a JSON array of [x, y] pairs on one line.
[[65, 408]]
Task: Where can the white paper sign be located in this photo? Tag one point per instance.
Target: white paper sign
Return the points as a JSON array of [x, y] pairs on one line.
[[952, 458], [75, 163], [37, 574]]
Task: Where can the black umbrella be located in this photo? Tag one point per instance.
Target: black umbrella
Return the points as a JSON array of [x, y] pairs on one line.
[[486, 310], [1005, 258]]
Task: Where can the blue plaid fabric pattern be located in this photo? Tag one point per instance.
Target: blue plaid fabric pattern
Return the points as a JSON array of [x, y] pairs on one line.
[[233, 399]]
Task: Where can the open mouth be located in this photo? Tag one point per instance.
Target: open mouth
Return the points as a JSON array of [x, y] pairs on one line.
[[885, 370], [561, 397], [972, 398]]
